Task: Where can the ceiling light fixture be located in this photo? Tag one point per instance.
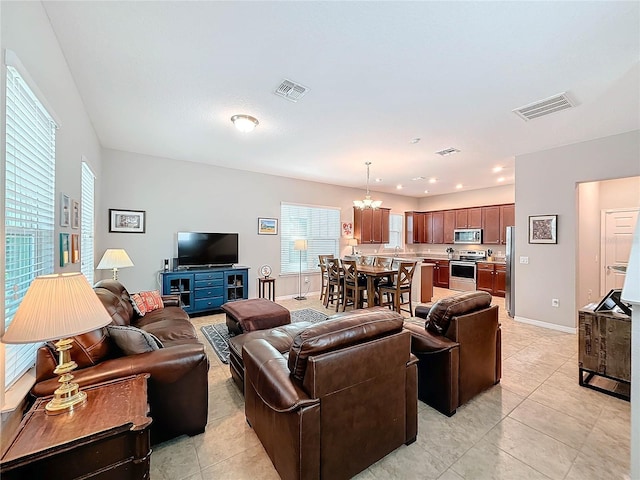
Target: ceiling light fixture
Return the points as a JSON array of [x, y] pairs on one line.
[[367, 202], [459, 186], [433, 180], [501, 179], [497, 169], [426, 191], [245, 123], [378, 180], [398, 187]]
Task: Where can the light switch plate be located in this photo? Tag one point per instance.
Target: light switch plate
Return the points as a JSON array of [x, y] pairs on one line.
[[524, 260]]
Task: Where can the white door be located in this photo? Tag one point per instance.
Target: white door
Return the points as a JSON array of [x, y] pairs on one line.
[[617, 235]]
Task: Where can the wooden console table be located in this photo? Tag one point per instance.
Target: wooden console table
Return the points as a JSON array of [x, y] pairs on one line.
[[604, 352], [107, 437]]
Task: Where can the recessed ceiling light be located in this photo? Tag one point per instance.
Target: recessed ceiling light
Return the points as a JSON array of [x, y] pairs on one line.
[[418, 178], [426, 191], [399, 187], [415, 140], [501, 179], [459, 185], [378, 180], [245, 123], [497, 169], [448, 151], [433, 180]]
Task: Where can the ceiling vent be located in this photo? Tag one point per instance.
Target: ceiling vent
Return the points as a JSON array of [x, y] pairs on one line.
[[544, 107], [291, 91], [448, 151]]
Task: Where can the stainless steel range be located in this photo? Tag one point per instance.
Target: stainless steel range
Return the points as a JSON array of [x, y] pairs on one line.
[[462, 273]]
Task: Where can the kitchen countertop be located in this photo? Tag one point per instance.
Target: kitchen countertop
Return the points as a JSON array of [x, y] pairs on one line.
[[419, 257]]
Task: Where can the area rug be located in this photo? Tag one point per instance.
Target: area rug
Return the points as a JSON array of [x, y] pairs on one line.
[[218, 333]]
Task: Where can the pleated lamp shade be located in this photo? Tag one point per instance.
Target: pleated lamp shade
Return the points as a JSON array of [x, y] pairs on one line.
[[55, 307], [114, 258]]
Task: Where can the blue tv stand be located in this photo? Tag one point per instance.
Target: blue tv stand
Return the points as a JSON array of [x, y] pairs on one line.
[[206, 289]]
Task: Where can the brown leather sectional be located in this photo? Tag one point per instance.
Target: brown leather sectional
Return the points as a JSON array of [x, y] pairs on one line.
[[178, 386], [330, 399]]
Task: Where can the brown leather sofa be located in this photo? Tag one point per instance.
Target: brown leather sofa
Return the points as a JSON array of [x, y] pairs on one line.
[[341, 398], [458, 348], [178, 385]]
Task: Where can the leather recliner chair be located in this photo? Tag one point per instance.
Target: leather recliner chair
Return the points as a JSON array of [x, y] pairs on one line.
[[458, 348], [343, 398]]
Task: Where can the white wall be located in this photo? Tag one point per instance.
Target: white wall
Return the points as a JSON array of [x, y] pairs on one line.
[[471, 198], [186, 196], [588, 266], [25, 29], [546, 183]]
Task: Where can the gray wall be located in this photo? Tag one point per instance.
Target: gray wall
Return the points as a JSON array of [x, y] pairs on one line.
[[546, 183], [25, 30], [186, 196]]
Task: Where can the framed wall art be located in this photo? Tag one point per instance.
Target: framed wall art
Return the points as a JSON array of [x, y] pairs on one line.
[[64, 249], [127, 221], [65, 210], [543, 229], [267, 226], [75, 248], [347, 229], [75, 214]]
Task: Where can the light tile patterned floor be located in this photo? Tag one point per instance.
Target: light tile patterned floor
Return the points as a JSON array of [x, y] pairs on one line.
[[538, 423]]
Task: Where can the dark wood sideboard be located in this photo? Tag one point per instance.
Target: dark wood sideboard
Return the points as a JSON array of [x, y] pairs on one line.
[[106, 438]]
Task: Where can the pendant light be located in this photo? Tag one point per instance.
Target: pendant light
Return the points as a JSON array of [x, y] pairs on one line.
[[367, 202]]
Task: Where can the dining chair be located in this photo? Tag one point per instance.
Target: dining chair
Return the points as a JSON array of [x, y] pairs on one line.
[[324, 275], [354, 286], [334, 285], [394, 293]]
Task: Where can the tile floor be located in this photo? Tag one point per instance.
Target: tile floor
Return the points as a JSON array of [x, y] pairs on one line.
[[538, 423]]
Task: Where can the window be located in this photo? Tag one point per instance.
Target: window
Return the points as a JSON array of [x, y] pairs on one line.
[[29, 206], [87, 222], [395, 230], [320, 226]]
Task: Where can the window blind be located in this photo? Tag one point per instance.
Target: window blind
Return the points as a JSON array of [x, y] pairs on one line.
[[87, 210], [29, 206], [320, 226], [395, 230]]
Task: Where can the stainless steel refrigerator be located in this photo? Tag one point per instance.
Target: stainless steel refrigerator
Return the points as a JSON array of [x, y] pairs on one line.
[[509, 297]]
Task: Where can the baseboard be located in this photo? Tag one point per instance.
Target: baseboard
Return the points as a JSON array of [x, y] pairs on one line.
[[550, 326], [308, 295]]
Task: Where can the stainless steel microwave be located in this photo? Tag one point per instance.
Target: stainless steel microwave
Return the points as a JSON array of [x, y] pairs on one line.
[[468, 236]]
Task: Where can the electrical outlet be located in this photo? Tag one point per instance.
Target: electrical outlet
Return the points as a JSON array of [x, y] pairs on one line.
[[524, 260], [306, 279], [555, 302]]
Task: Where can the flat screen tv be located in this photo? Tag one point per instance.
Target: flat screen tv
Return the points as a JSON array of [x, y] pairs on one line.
[[196, 249]]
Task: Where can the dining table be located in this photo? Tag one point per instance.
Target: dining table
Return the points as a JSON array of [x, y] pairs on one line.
[[372, 272]]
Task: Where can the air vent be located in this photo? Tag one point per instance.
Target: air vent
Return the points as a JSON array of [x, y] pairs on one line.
[[544, 107], [448, 151], [291, 91]]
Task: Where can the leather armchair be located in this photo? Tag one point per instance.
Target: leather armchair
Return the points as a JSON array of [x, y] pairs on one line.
[[178, 382], [458, 348], [343, 398]]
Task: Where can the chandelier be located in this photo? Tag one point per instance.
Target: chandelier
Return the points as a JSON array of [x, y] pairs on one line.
[[367, 202]]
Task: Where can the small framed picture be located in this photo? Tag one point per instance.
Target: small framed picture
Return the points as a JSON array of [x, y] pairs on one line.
[[75, 214], [127, 221], [65, 210], [75, 248], [543, 229], [347, 229], [267, 226], [65, 251]]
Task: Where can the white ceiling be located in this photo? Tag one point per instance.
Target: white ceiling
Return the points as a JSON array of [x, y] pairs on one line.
[[164, 78]]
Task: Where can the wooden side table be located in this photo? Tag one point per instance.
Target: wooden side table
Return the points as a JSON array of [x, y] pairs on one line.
[[267, 285], [107, 437]]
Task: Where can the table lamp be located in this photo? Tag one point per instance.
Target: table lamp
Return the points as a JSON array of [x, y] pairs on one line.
[[301, 246], [57, 307], [114, 258], [353, 243]]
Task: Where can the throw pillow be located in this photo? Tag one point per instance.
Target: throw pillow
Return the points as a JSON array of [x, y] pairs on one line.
[[138, 304], [132, 340], [152, 300]]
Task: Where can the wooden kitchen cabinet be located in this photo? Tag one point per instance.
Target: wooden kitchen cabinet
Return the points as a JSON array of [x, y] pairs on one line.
[[449, 218], [440, 272], [437, 228], [490, 278], [507, 219], [371, 225], [491, 225], [469, 217]]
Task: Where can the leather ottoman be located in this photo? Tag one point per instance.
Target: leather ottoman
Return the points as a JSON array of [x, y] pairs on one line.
[[254, 314]]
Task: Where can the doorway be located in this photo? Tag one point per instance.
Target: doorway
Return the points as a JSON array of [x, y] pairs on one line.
[[617, 227]]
